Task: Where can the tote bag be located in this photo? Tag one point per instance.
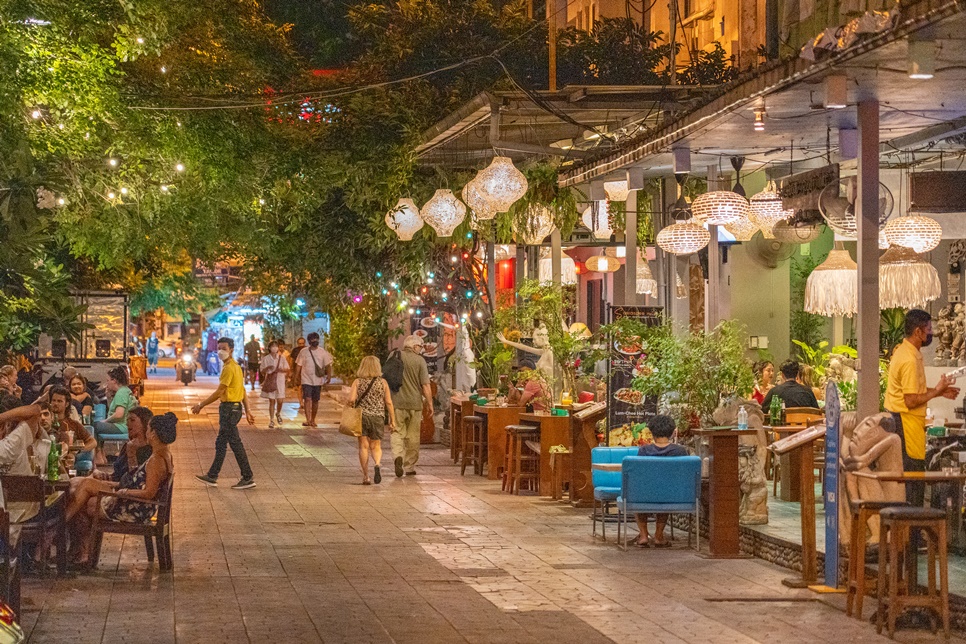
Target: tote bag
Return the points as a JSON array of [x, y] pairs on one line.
[[351, 423], [270, 379]]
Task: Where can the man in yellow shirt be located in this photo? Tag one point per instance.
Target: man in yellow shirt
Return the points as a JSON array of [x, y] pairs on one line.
[[231, 393], [907, 395]]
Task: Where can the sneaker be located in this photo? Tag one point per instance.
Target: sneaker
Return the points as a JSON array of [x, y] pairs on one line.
[[398, 465], [207, 480], [377, 476], [244, 484]]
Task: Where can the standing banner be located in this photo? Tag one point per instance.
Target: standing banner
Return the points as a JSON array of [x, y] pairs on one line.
[[833, 413], [627, 408]]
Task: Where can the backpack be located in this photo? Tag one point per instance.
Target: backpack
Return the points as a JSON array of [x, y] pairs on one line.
[[392, 371]]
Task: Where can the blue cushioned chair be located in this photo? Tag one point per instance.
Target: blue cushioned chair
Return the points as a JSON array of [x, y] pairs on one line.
[[607, 485], [100, 412], [651, 484]]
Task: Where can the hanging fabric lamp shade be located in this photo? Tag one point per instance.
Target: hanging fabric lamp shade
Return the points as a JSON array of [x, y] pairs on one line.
[[743, 229], [476, 201], [444, 212], [921, 234], [683, 238], [646, 284], [597, 220], [766, 211], [796, 234], [602, 264], [537, 224], [719, 207], [404, 219], [833, 287], [906, 280], [501, 184], [616, 190]]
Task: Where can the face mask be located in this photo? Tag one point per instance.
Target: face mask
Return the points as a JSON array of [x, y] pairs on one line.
[[314, 343], [223, 354], [928, 340], [274, 350]]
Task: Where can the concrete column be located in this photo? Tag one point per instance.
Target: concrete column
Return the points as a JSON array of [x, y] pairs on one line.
[[867, 323], [630, 246], [712, 294]]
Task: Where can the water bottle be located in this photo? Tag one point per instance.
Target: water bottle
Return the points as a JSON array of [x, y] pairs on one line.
[[742, 419]]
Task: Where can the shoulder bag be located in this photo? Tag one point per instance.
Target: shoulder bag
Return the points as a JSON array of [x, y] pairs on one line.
[[270, 380], [351, 423], [319, 372]]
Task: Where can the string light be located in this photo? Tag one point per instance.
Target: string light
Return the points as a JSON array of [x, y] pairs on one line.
[[111, 195], [36, 114], [164, 70], [123, 191], [140, 40], [261, 202], [164, 188], [179, 167], [112, 162], [61, 201]]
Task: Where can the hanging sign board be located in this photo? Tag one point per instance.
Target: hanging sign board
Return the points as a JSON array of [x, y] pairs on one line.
[[801, 191]]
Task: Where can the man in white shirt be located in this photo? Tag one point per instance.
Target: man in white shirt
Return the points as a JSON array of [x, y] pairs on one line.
[[313, 361], [21, 431]]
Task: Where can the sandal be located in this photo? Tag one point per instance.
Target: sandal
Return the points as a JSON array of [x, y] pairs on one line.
[[367, 482], [642, 544], [271, 424], [662, 544]]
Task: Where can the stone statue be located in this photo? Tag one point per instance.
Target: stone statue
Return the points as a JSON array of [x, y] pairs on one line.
[[944, 334], [753, 504], [871, 445], [541, 347], [959, 326]]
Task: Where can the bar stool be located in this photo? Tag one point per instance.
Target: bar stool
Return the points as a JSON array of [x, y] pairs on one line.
[[559, 463], [521, 464], [472, 441], [896, 560], [858, 585], [456, 436]]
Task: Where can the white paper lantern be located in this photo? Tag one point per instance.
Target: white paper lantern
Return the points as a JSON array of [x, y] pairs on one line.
[[646, 284], [616, 190], [743, 229], [906, 280], [444, 212], [598, 224], [833, 287], [921, 234], [719, 207], [766, 211], [537, 224], [476, 201], [501, 184], [602, 264], [683, 238], [404, 219]]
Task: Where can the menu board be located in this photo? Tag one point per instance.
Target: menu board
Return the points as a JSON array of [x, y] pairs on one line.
[[626, 407], [437, 329]]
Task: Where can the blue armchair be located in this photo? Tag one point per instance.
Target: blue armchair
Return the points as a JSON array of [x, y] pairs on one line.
[[607, 485], [651, 484]]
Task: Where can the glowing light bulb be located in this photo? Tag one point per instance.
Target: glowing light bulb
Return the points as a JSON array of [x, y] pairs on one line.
[[454, 259], [412, 311], [261, 202], [61, 201], [111, 195], [429, 280], [378, 274], [123, 191], [36, 114], [479, 314], [164, 70], [164, 188], [60, 126], [178, 123], [140, 40], [469, 294], [179, 167], [112, 162]]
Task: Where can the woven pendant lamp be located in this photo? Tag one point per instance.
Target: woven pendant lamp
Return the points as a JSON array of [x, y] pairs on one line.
[[766, 211], [720, 207], [743, 229], [597, 220], [906, 280], [683, 238], [646, 284], [444, 212], [616, 190], [476, 201], [404, 219], [537, 225], [833, 287], [921, 234], [602, 264], [501, 184]]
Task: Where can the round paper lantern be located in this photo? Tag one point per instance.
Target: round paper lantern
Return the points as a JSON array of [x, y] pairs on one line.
[[474, 198], [646, 284], [921, 234], [906, 280], [683, 238], [501, 184], [537, 224], [743, 229], [616, 190], [444, 212], [766, 211], [796, 234], [598, 224], [602, 264], [404, 219], [833, 287], [719, 207]]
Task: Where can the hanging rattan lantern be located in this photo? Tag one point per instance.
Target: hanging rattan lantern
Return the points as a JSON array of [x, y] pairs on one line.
[[796, 234], [833, 288], [602, 264], [906, 280], [476, 201], [404, 219], [537, 224], [616, 190], [646, 284], [743, 229], [444, 212], [501, 184], [719, 207], [597, 220], [921, 234], [766, 211], [683, 238]]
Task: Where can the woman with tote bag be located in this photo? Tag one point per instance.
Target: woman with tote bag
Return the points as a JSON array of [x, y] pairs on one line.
[[371, 395], [274, 368]]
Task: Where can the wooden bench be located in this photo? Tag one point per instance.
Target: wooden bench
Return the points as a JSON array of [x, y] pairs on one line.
[[157, 530]]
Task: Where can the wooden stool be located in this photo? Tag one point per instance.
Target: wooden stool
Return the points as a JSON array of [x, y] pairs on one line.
[[520, 463], [559, 463], [472, 441], [896, 560], [858, 586], [456, 436]]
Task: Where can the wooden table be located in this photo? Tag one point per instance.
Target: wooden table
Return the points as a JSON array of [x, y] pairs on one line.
[[459, 406], [554, 430], [724, 490], [583, 432], [495, 420]]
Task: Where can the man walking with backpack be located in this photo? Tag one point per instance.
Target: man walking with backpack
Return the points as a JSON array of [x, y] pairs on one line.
[[313, 368], [410, 394]]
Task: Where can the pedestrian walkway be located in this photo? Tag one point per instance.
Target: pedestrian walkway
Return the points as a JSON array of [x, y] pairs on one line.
[[311, 555]]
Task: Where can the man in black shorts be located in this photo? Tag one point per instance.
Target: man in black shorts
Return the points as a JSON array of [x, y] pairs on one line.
[[313, 368]]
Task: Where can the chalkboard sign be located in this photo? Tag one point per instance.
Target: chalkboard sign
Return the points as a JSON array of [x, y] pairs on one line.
[[625, 406]]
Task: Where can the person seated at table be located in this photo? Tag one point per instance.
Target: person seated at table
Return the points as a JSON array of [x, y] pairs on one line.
[[792, 392], [126, 502], [529, 389], [61, 408], [80, 397], [122, 400], [764, 372], [662, 429], [20, 436], [807, 376]]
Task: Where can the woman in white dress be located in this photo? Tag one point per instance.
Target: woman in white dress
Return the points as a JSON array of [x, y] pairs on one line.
[[275, 365]]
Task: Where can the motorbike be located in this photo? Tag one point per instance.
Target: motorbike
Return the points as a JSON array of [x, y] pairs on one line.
[[186, 368]]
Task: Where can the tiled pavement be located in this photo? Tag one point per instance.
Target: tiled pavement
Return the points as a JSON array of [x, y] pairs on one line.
[[311, 555]]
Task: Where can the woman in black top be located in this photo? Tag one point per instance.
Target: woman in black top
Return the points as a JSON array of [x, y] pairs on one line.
[[80, 397]]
